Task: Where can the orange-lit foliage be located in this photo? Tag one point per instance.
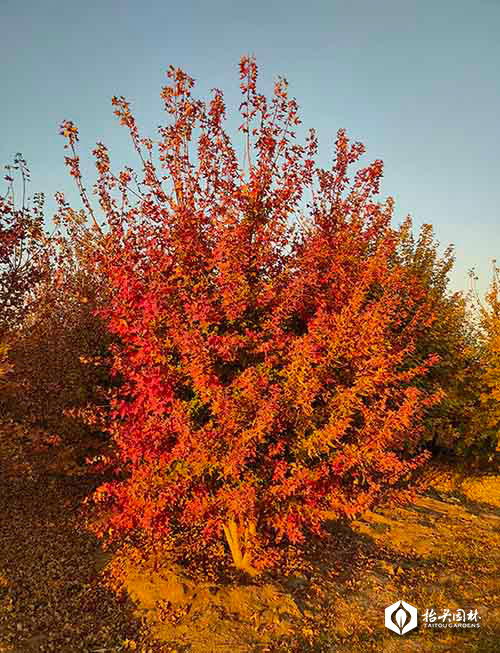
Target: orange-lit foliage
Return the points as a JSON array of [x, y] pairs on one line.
[[5, 366], [268, 363]]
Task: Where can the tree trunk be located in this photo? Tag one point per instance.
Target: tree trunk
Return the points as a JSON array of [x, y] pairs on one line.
[[241, 559]]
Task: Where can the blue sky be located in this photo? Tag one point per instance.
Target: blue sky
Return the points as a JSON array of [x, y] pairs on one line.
[[415, 80]]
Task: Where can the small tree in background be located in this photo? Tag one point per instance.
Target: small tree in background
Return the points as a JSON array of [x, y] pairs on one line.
[[451, 424], [22, 260], [487, 423], [270, 365], [49, 292]]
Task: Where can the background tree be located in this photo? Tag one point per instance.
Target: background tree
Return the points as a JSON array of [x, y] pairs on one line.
[[49, 292], [487, 422], [21, 246], [451, 424]]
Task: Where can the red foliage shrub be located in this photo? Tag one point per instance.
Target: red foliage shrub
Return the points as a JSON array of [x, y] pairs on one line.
[[268, 363]]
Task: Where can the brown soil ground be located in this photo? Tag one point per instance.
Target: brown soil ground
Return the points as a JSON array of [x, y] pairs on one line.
[[441, 552]]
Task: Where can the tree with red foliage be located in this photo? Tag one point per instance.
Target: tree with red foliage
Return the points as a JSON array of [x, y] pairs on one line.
[[269, 379]]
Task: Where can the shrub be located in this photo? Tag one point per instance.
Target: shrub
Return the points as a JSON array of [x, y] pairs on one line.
[[268, 363], [59, 350]]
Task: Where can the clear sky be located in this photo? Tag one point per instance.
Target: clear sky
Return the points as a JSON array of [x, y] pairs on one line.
[[417, 81]]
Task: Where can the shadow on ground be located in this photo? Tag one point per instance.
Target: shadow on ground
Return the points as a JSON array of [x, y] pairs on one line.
[[51, 597]]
